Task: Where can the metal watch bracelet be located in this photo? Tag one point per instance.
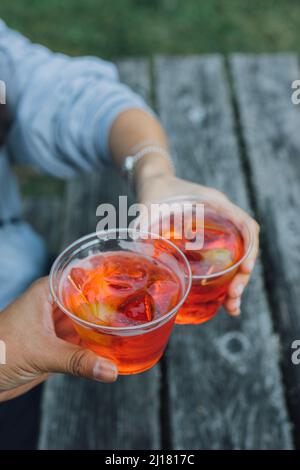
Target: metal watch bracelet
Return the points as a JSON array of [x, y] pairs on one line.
[[131, 160]]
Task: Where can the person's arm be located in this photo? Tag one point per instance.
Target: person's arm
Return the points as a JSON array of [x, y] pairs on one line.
[[154, 180], [136, 128], [39, 342], [71, 114], [62, 108]]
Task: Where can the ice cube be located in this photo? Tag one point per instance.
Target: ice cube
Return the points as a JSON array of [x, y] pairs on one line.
[[139, 307], [93, 289], [165, 294], [125, 273], [78, 276]]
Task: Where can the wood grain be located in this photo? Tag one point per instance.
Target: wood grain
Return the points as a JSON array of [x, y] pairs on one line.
[[270, 125], [225, 385]]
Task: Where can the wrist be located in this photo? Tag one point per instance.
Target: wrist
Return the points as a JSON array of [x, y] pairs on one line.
[[152, 177], [152, 166]]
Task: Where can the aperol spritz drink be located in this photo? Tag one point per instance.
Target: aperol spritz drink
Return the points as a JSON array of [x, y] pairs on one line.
[[215, 264], [123, 301]]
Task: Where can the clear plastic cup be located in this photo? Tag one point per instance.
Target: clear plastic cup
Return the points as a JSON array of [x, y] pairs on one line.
[[209, 289], [133, 348]]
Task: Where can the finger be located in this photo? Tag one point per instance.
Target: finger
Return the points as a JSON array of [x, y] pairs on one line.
[[249, 228], [74, 360], [64, 328], [238, 285], [233, 306], [248, 265]]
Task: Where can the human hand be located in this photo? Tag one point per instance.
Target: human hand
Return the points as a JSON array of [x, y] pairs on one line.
[[162, 186], [40, 341]]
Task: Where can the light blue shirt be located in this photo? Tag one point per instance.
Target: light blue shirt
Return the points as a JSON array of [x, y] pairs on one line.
[[62, 109]]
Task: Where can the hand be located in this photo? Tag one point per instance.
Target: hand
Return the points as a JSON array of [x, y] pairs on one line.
[[154, 181], [40, 341], [156, 187]]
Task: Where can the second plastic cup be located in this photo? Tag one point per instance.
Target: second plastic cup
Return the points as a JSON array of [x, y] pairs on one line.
[[227, 243]]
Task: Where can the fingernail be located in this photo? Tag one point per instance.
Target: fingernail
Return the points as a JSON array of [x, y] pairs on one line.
[[236, 313], [239, 289], [105, 371], [238, 303], [250, 264]]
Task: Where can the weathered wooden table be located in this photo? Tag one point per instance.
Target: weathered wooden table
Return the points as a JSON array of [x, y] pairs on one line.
[[228, 384]]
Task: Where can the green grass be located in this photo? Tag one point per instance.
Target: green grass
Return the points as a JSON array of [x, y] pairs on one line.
[[116, 28]]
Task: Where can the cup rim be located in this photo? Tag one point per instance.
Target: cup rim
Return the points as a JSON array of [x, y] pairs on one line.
[[245, 226], [114, 329]]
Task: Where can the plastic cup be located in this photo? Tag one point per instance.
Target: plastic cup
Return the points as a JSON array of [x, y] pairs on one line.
[[209, 290], [133, 348]]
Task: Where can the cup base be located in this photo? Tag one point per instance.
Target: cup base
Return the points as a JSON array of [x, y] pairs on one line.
[[138, 371], [128, 368], [195, 316]]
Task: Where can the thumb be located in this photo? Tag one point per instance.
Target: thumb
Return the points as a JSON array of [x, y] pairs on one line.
[[74, 360]]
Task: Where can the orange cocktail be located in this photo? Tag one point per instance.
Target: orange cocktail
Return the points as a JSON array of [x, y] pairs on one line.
[[225, 244], [122, 295]]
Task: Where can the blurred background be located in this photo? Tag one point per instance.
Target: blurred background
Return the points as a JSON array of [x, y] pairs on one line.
[[122, 28], [114, 28]]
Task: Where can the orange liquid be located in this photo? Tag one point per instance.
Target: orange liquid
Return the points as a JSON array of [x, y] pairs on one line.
[[223, 247], [122, 289]]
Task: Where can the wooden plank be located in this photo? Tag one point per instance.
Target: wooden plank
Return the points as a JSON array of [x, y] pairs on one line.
[[270, 125], [45, 214], [78, 414], [225, 385]]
